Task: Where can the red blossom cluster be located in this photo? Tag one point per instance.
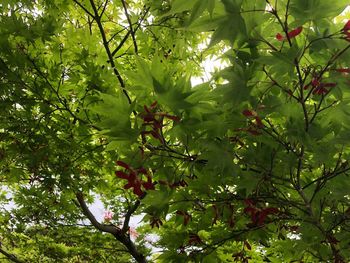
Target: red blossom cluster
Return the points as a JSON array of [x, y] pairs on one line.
[[151, 117], [343, 70], [255, 127], [320, 88], [187, 216], [346, 31], [290, 34], [257, 215], [134, 178]]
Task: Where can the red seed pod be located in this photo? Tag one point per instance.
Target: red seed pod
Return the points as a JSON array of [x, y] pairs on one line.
[[121, 175], [148, 185], [279, 37], [249, 113], [124, 165], [346, 26], [343, 70], [291, 34], [295, 32]]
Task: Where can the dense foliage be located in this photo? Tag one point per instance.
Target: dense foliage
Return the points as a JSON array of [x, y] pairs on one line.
[[251, 165]]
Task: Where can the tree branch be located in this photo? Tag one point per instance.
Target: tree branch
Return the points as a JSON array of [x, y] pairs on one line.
[[132, 32], [101, 227], [131, 210], [115, 231], [127, 34], [84, 8], [11, 257]]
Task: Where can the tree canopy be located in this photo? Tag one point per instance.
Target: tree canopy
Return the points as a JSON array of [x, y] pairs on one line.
[[97, 103]]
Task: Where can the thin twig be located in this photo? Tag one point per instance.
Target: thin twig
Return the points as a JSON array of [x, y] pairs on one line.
[[130, 25], [108, 51], [84, 8]]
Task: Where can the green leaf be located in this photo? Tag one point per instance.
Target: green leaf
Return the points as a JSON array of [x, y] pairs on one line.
[[316, 9], [179, 6]]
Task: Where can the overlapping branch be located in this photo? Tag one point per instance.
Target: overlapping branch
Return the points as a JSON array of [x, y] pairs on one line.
[[111, 229]]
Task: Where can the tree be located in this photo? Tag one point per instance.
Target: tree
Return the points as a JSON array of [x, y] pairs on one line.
[[97, 103]]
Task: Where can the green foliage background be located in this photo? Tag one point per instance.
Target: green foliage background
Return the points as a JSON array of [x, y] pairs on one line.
[[251, 166]]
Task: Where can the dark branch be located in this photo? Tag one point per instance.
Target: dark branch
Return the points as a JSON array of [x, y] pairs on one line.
[[121, 43], [108, 51], [101, 227], [127, 34], [131, 210], [115, 231], [11, 257], [84, 8], [130, 25]]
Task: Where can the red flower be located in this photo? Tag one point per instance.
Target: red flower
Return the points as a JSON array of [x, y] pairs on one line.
[[321, 89], [249, 113], [290, 34], [343, 70], [258, 216], [315, 82], [279, 37], [153, 118], [295, 32], [258, 122], [264, 213], [124, 165], [346, 31], [346, 26], [148, 185], [133, 178], [329, 85], [121, 175]]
